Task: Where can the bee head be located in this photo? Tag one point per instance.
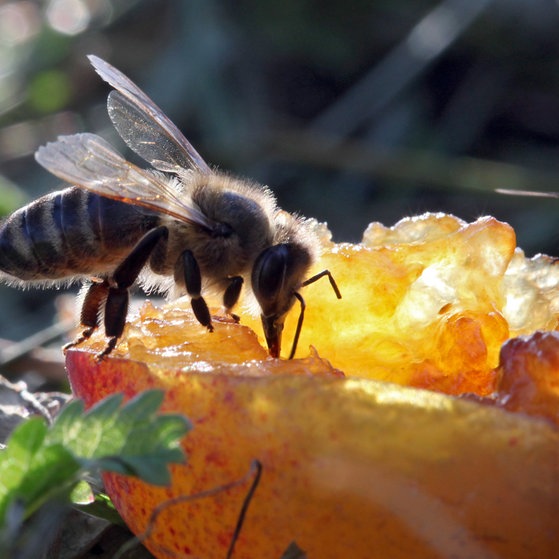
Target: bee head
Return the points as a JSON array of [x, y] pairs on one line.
[[277, 275]]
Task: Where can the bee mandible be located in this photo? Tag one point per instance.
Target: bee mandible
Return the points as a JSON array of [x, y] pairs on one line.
[[179, 228]]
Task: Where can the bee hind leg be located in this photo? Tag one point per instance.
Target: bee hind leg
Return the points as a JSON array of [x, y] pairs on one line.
[[125, 274], [89, 318]]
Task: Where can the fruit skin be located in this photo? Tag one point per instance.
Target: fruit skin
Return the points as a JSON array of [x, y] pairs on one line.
[[355, 467], [351, 468], [529, 375]]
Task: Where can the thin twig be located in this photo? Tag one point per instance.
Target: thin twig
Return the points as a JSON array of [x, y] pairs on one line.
[[18, 350], [413, 166], [255, 469], [429, 38], [30, 400], [258, 466]]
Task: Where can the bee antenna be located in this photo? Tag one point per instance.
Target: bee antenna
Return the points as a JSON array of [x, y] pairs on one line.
[[330, 277], [299, 324], [303, 305]]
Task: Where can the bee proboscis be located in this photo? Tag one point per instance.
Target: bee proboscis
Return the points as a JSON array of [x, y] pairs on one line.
[[180, 227]]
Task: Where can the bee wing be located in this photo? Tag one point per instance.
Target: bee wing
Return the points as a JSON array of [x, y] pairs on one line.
[[144, 126], [90, 162], [533, 193]]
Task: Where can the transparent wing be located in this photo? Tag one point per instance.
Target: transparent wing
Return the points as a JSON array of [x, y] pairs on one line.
[[88, 161], [534, 193], [144, 126]]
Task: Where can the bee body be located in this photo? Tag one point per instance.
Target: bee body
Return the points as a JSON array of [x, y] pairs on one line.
[[70, 234], [241, 228], [178, 226]]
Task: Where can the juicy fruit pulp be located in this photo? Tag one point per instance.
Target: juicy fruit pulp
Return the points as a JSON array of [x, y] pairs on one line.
[[353, 466]]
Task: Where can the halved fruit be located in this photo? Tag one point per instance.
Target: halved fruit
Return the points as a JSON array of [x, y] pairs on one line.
[[354, 466]]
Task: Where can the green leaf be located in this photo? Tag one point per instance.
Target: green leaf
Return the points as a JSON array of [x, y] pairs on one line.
[[49, 91], [131, 439], [102, 507], [82, 494], [23, 443], [40, 463], [31, 471], [11, 196]]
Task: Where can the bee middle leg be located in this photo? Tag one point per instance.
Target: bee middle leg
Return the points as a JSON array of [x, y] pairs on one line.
[[188, 272]]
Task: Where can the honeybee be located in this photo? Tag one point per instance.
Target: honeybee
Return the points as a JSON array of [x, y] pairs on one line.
[[179, 228]]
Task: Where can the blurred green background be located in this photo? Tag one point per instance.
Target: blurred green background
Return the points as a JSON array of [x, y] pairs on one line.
[[352, 111]]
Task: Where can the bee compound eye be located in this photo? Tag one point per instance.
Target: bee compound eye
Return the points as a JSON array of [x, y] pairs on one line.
[[268, 275]]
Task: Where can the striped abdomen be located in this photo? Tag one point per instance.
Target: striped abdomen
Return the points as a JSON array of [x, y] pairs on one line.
[[70, 233]]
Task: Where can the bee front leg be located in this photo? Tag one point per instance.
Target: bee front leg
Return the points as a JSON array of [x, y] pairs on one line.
[[188, 271], [232, 294], [126, 273]]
